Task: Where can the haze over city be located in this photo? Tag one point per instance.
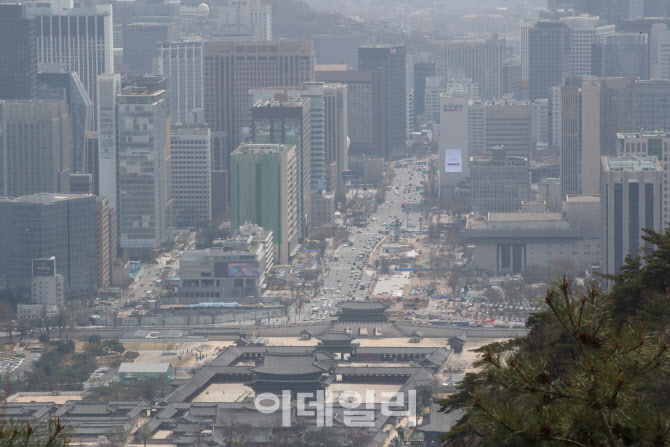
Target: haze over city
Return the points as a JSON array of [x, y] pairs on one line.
[[364, 223]]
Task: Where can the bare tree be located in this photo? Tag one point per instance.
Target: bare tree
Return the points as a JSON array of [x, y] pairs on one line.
[[62, 319]]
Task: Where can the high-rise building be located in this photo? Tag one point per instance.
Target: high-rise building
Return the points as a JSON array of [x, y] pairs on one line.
[[630, 191], [182, 62], [512, 78], [287, 121], [45, 225], [338, 48], [499, 183], [390, 104], [652, 144], [476, 126], [454, 166], [190, 175], [422, 70], [35, 147], [143, 132], [555, 118], [337, 130], [582, 33], [539, 126], [232, 68], [547, 57], [659, 51], [508, 125], [360, 110], [478, 59], [18, 53], [621, 54], [106, 240], [652, 104], [109, 86], [68, 87], [328, 131], [654, 27], [264, 191], [593, 111], [434, 88], [91, 160], [608, 107], [78, 38], [571, 135]]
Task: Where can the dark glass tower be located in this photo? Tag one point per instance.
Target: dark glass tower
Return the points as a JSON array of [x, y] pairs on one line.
[[18, 53], [390, 100]]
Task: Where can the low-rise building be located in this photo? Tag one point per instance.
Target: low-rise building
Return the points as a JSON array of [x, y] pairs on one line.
[[323, 209], [145, 371], [233, 270], [515, 242]]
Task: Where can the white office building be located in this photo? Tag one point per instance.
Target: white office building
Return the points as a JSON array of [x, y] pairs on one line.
[[182, 62], [190, 179]]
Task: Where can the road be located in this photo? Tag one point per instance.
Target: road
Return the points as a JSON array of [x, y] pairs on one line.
[[351, 276]]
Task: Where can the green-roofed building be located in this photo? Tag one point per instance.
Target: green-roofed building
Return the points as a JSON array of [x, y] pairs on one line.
[[264, 191]]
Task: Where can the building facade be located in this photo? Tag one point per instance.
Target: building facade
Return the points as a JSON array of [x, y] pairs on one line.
[[79, 39], [232, 68], [106, 239], [288, 121], [652, 144], [508, 125], [182, 62], [45, 225], [143, 133], [35, 147], [631, 194], [18, 53], [390, 103], [547, 57], [233, 270], [478, 59], [190, 175], [499, 183], [264, 191]]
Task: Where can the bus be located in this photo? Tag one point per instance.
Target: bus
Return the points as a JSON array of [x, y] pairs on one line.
[[351, 242], [336, 258]]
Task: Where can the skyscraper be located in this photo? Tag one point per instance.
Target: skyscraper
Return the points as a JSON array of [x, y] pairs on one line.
[[264, 191], [18, 53], [652, 104], [143, 132], [35, 147], [45, 225], [232, 68], [106, 240], [68, 87], [499, 183], [630, 191], [182, 62], [547, 57], [621, 54], [285, 120], [653, 144], [478, 59], [109, 86], [139, 44], [608, 107], [190, 176], [79, 39], [593, 110], [360, 105], [390, 107], [337, 129]]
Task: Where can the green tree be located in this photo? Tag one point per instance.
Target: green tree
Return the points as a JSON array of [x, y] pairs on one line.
[[641, 281], [25, 434], [424, 395], [577, 379]]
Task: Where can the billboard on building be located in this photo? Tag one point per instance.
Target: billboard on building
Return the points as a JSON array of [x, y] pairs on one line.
[[244, 269], [44, 267], [453, 160]]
